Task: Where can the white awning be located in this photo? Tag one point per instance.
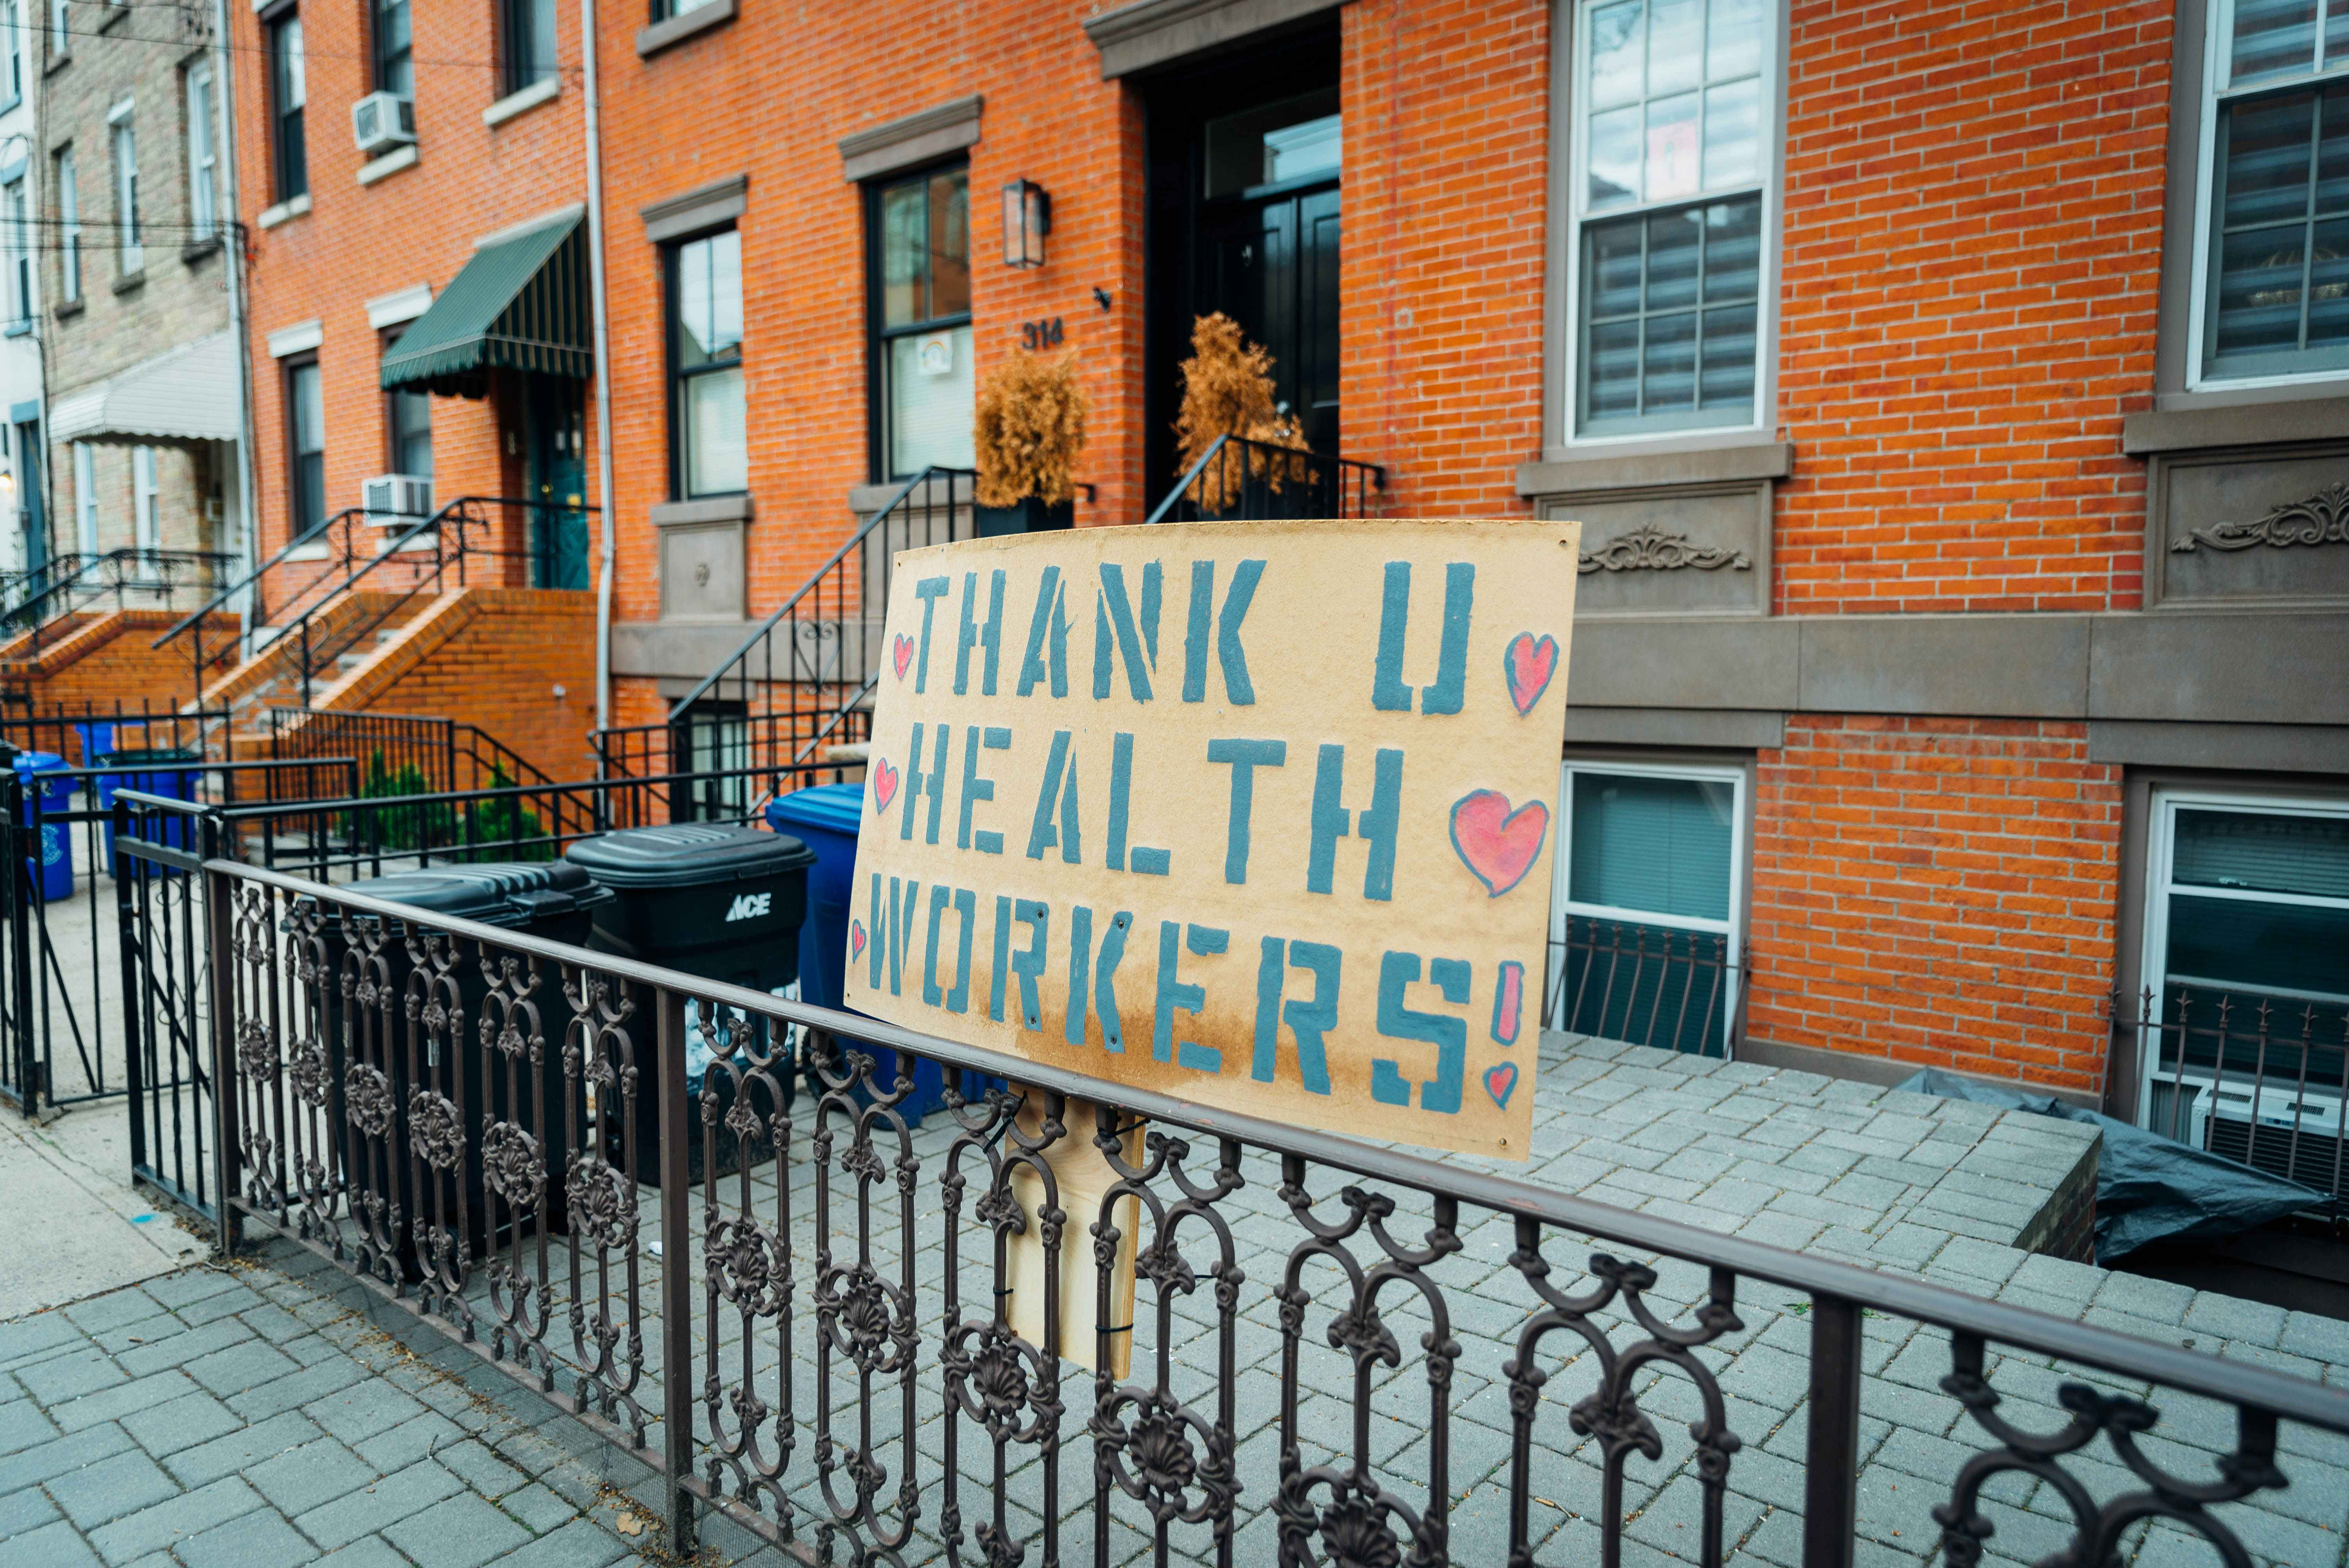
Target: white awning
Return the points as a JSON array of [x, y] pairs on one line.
[[188, 394]]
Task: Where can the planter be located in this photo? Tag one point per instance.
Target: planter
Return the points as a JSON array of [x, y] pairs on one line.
[[1030, 516]]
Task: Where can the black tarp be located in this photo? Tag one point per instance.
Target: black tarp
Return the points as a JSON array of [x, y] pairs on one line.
[[2148, 1188]]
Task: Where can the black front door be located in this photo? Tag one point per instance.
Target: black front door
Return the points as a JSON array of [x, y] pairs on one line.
[[1270, 262], [28, 496], [557, 481]]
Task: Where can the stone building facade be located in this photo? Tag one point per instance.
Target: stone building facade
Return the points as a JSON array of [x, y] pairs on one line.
[[136, 207]]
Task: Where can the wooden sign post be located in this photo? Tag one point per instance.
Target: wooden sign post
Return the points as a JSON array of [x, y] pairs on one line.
[[1254, 814]]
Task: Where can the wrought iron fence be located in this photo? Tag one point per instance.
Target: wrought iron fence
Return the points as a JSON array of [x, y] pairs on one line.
[[1675, 989], [404, 753], [81, 732], [1237, 479], [800, 683], [866, 1339], [2258, 1077]]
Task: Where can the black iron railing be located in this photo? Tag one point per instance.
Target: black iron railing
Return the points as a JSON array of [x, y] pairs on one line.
[[802, 681], [305, 601], [1237, 479], [78, 732], [112, 580], [875, 1342], [404, 753], [1672, 988], [2262, 1078]]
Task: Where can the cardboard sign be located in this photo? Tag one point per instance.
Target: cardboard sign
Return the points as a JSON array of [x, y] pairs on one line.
[[1255, 814]]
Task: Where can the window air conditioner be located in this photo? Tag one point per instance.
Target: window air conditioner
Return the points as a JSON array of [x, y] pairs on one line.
[[2297, 1136], [397, 498], [382, 121]]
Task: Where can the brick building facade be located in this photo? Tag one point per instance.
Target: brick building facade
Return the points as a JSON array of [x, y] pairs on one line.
[[1961, 491]]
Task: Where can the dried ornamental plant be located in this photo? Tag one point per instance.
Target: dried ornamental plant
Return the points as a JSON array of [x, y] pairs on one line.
[[1228, 390], [1030, 430]]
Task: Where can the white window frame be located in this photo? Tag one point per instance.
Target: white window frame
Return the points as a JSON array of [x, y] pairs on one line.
[[2161, 832], [145, 501], [2217, 33], [85, 469], [60, 28], [1562, 905], [14, 14], [1773, 154], [122, 137], [203, 161], [18, 197], [69, 258]]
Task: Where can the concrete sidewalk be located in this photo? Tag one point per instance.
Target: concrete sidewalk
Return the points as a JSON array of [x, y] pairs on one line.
[[73, 1226], [246, 1418]]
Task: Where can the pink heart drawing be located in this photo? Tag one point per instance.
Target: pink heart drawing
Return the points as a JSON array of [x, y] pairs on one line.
[[1528, 665], [1498, 844], [1501, 1082], [855, 939], [901, 653], [884, 784]]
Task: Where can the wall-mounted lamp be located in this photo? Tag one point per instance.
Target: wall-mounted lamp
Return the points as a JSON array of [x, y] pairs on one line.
[[1027, 219]]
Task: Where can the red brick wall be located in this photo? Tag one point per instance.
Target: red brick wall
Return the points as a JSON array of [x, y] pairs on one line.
[[1972, 231], [108, 660], [1938, 891]]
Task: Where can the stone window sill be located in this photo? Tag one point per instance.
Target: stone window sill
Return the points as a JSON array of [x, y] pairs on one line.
[[23, 328], [515, 103], [389, 164], [285, 212], [196, 251], [57, 62], [131, 282], [1641, 465], [707, 508], [661, 35], [68, 309], [2254, 417]]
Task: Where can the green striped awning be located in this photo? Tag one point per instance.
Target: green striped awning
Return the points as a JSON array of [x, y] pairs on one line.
[[520, 304]]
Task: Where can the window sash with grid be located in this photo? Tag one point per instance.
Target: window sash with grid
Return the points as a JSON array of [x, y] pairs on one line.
[[529, 43], [288, 95], [68, 227], [202, 166], [923, 289], [394, 40], [709, 452]]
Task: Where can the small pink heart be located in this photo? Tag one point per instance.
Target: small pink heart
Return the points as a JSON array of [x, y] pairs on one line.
[[1498, 844], [902, 653], [884, 784], [856, 939], [1528, 665], [1501, 1082]]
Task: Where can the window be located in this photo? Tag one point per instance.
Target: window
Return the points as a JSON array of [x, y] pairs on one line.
[[20, 251], [12, 38], [1646, 930], [204, 172], [2274, 299], [68, 229], [131, 256], [60, 28], [306, 446], [287, 93], [529, 43], [714, 738], [145, 501], [712, 453], [395, 69], [84, 466], [2247, 956], [664, 9], [1670, 191], [921, 323], [407, 426]]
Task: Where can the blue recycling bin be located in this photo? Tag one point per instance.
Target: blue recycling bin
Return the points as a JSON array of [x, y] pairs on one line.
[[52, 871], [171, 783], [825, 818]]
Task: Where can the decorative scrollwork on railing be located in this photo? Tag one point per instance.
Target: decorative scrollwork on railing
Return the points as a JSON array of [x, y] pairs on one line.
[[1647, 548], [2096, 1527], [2319, 519]]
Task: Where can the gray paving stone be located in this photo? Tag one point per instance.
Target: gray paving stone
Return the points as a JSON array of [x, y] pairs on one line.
[[480, 1469], [95, 1315], [581, 1543], [305, 1386], [371, 1510], [462, 1532], [360, 1410], [25, 1509], [260, 1539], [184, 1515], [60, 1456], [122, 1399], [92, 1494], [241, 1367], [183, 1345], [70, 1375], [22, 1425], [51, 1546], [190, 1285], [28, 1337], [181, 1423], [368, 1552], [249, 1446], [409, 1441], [538, 1508], [301, 1479]]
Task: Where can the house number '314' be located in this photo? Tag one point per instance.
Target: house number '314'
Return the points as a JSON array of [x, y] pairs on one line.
[[1046, 334]]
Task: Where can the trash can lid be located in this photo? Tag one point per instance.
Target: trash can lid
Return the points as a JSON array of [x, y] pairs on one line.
[[835, 808], [512, 893], [38, 763], [126, 756], [687, 854]]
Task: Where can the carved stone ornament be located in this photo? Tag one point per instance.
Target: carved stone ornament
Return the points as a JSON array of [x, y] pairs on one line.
[[1647, 548], [2319, 519]]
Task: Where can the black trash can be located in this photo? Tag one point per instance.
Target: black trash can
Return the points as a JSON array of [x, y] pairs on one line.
[[548, 899], [721, 901]]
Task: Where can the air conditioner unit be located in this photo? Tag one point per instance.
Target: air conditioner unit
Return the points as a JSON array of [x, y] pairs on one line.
[[397, 498], [2278, 1129], [382, 121]]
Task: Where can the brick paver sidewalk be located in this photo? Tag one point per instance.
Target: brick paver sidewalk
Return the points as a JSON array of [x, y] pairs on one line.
[[246, 1420]]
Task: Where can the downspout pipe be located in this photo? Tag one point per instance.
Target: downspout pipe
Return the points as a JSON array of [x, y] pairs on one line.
[[610, 553], [226, 213]]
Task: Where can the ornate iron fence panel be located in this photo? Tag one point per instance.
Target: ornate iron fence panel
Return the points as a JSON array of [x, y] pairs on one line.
[[1065, 1320]]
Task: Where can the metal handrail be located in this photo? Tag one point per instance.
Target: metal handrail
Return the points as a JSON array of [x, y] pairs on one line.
[[255, 575], [2234, 1383], [677, 708], [1257, 452], [28, 608]]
